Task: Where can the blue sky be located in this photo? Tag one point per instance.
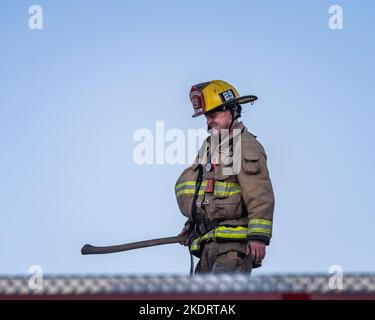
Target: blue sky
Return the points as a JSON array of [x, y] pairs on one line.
[[74, 93]]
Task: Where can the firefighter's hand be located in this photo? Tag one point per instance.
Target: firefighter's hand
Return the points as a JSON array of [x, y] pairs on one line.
[[185, 232], [257, 250]]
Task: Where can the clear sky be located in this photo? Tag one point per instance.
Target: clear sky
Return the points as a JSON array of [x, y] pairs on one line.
[[74, 93]]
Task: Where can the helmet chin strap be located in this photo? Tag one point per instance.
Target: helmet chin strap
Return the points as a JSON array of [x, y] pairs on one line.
[[236, 113]]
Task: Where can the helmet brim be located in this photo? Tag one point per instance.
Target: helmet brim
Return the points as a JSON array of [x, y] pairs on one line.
[[240, 100]]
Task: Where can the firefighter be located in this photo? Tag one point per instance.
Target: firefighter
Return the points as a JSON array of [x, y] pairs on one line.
[[226, 194]]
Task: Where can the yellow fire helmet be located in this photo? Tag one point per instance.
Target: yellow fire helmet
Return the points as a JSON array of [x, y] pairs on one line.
[[215, 95]]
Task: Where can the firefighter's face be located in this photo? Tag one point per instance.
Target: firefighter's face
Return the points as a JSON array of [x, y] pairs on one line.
[[219, 120]]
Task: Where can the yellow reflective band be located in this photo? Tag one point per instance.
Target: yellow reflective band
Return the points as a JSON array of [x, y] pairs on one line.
[[260, 226], [222, 189], [260, 221], [257, 226], [259, 230], [231, 233], [228, 184], [185, 191], [188, 187], [195, 245], [226, 189], [231, 236], [208, 235], [188, 183]]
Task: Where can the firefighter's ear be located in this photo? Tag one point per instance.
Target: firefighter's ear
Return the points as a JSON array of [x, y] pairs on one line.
[[250, 164]]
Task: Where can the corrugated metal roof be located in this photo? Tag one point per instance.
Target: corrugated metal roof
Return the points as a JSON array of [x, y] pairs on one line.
[[210, 283]]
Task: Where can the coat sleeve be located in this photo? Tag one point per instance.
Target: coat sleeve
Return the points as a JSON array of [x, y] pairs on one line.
[[257, 192]]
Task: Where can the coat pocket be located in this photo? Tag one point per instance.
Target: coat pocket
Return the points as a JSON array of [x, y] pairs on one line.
[[250, 164], [226, 208]]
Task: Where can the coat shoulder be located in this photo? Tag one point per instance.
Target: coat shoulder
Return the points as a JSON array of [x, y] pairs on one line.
[[249, 144]]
